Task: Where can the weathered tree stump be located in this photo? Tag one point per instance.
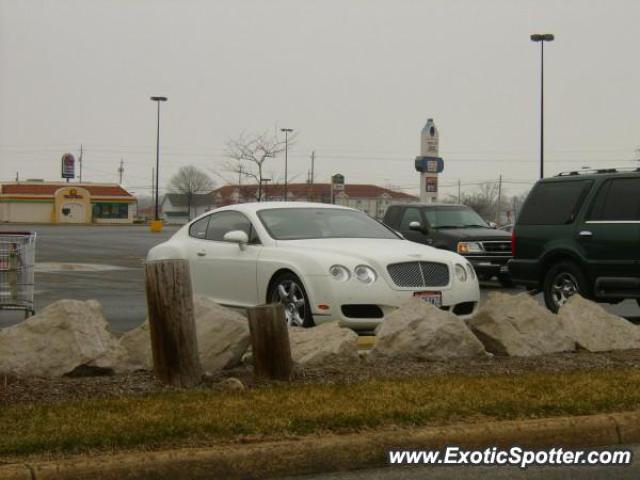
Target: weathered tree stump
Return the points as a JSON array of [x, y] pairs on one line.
[[171, 323], [270, 346]]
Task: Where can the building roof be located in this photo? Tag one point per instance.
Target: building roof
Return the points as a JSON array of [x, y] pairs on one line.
[[197, 200], [316, 190], [50, 188]]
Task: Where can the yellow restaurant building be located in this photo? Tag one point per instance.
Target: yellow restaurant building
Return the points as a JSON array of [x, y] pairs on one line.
[[59, 202]]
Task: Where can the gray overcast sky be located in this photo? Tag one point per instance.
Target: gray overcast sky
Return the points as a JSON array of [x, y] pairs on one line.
[[358, 79]]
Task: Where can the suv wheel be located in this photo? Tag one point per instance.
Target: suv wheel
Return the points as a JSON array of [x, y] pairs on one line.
[[563, 280]]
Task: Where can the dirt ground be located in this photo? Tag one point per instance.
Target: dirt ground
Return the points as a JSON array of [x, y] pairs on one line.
[[43, 391]]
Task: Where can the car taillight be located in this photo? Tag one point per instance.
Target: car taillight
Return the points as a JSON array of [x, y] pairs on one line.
[[513, 241]]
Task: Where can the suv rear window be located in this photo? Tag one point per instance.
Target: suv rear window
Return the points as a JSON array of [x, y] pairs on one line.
[[554, 203]]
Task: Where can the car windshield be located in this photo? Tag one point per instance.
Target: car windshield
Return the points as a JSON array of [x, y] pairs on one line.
[[454, 217], [306, 223]]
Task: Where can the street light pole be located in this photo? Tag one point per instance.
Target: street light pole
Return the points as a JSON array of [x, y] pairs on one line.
[[546, 37], [286, 154], [158, 100]]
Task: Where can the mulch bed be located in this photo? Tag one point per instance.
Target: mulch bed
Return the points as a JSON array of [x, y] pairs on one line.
[[45, 390]]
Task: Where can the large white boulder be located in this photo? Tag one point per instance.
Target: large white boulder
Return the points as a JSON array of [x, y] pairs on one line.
[[223, 337], [420, 331], [323, 345], [65, 336], [596, 330], [517, 325]]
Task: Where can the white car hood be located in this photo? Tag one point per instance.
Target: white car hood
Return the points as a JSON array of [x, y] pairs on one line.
[[380, 252]]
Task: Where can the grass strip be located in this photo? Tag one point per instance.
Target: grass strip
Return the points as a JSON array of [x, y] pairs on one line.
[[208, 417]]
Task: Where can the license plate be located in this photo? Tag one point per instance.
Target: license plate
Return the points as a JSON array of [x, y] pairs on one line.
[[434, 298], [504, 269]]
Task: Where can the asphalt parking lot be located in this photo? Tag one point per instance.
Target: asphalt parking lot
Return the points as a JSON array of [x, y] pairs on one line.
[[92, 262], [106, 263]]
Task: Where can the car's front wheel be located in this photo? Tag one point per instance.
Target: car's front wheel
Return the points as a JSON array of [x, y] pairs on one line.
[[563, 280], [288, 290]]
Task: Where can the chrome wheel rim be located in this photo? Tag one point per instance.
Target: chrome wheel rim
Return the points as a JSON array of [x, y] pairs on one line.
[[563, 287], [290, 295]]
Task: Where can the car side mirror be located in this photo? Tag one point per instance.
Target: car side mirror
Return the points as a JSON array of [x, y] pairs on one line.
[[417, 226], [237, 236]]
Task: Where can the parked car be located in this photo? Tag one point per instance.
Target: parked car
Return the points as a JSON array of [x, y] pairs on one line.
[[323, 262], [579, 232], [457, 228]]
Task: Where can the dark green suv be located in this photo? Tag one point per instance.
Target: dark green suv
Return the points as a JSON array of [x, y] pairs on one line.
[[579, 232]]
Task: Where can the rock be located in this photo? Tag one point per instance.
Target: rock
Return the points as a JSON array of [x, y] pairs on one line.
[[137, 343], [517, 325], [596, 330], [420, 331], [323, 345], [231, 384], [68, 337], [223, 337]]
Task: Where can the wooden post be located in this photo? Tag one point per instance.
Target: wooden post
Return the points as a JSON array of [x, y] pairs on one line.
[[171, 323], [270, 342]]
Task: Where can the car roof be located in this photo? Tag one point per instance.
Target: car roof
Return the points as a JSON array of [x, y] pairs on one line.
[[593, 174], [257, 206], [420, 205]]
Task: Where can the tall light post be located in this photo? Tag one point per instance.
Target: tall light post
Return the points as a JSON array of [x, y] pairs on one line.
[[158, 100], [286, 153], [541, 38]]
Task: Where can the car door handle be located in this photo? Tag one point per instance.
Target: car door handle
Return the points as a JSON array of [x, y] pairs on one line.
[[585, 234], [202, 253]]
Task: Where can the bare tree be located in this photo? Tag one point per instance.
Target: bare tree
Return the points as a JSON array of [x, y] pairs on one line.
[[190, 181], [249, 153], [484, 201]]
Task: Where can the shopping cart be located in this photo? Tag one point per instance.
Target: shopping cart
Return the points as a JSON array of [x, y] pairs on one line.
[[17, 261]]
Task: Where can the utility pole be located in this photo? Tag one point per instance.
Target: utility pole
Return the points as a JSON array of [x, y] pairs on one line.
[[153, 182], [80, 165], [499, 200], [459, 196], [286, 131], [313, 161], [311, 173], [121, 170], [17, 177]]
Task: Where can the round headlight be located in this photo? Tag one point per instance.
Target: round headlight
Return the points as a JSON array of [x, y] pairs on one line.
[[472, 272], [340, 273], [365, 274], [461, 273]]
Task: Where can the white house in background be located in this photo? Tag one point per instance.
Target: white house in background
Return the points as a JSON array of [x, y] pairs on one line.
[[175, 207]]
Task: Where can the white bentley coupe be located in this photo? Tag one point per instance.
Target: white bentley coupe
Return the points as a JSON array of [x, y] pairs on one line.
[[323, 262]]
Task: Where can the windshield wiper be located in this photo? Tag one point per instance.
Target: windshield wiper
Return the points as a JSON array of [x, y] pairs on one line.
[[449, 226], [476, 226]]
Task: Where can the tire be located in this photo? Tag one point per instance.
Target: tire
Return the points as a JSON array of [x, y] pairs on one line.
[[561, 281], [505, 281], [638, 301], [287, 289]]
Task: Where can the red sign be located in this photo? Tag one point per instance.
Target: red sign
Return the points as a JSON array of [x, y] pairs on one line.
[[431, 184], [68, 166]]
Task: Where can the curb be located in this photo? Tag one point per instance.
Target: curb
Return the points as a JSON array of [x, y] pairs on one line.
[[331, 453]]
